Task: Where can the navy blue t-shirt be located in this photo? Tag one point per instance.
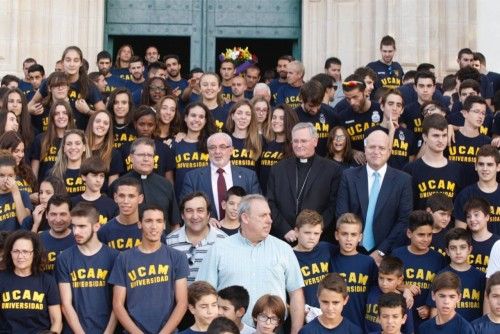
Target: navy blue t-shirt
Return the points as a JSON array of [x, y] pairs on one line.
[[289, 95], [53, 247], [26, 300], [371, 314], [41, 122], [114, 82], [345, 327], [410, 95], [187, 158], [227, 93], [119, 236], [360, 272], [438, 242], [149, 280], [390, 76], [480, 255], [272, 153], [241, 156], [123, 134], [404, 145], [412, 118], [324, 120], [274, 86], [357, 123], [428, 180], [92, 98], [473, 283], [419, 270], [314, 265], [464, 151], [220, 114], [74, 182], [106, 207], [456, 325], [492, 198], [163, 159], [484, 325], [8, 216], [88, 277], [122, 73], [25, 87], [48, 161]]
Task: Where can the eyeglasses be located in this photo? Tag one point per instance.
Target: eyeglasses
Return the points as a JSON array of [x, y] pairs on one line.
[[339, 138], [144, 155], [23, 252], [190, 255], [157, 89], [220, 147], [264, 318]]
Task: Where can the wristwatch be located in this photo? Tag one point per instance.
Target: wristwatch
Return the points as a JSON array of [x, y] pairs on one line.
[[379, 252]]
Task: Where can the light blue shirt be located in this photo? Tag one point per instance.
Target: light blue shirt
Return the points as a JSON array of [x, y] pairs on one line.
[[268, 267]]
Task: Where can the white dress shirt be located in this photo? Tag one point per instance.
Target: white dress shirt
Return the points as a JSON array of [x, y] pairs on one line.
[[371, 177]]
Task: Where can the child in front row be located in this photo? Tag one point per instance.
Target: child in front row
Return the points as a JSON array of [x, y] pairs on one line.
[[421, 263], [359, 270], [268, 314], [490, 322], [446, 289], [233, 304], [202, 303], [392, 313], [477, 215], [458, 248], [390, 277], [440, 207], [332, 296], [313, 255]]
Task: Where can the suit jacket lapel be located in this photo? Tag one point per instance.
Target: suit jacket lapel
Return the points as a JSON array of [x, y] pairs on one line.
[[313, 174], [291, 171], [238, 177], [206, 182], [361, 184]]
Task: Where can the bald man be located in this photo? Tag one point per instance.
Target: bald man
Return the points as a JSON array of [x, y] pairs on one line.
[[379, 194]]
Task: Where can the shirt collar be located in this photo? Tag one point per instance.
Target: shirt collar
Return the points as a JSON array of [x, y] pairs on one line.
[[381, 171]]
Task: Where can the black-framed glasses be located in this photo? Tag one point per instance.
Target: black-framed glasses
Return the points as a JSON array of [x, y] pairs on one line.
[[264, 318]]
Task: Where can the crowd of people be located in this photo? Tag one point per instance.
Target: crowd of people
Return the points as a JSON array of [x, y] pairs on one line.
[[133, 200]]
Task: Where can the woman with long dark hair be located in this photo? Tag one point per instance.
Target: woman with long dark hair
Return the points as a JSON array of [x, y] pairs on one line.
[[120, 105]]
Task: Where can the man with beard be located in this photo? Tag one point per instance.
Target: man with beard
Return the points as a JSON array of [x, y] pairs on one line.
[[389, 72], [83, 272], [136, 69], [59, 236], [290, 92], [174, 80], [104, 64], [151, 55], [279, 82]]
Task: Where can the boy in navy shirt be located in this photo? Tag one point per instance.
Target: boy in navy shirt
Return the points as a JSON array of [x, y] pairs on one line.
[[83, 273], [122, 232], [446, 289], [440, 207], [389, 72], [458, 248], [230, 224], [477, 216], [490, 322], [202, 302], [468, 139], [390, 278], [150, 280], [93, 174], [233, 304], [487, 167], [392, 313], [359, 270], [332, 296], [313, 255], [433, 173], [421, 263]]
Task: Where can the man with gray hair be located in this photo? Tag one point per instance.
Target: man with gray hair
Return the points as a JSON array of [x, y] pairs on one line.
[[261, 89], [269, 265], [215, 179], [306, 181]]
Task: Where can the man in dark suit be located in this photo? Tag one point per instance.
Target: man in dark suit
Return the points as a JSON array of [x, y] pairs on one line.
[[306, 181], [219, 175], [380, 195]]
